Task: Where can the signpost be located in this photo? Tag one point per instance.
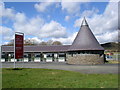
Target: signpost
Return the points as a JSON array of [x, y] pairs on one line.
[[18, 46]]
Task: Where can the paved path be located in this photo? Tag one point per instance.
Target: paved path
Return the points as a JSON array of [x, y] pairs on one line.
[[105, 68]]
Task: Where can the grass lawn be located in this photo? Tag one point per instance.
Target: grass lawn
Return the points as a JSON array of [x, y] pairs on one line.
[[50, 78], [113, 62]]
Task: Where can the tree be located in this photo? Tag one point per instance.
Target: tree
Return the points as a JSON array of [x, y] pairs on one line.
[[11, 43], [43, 43], [56, 43], [34, 42], [49, 42], [28, 42]]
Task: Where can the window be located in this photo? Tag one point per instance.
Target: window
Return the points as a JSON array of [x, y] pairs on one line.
[[12, 55], [37, 56], [49, 55], [61, 54], [3, 56], [25, 56]]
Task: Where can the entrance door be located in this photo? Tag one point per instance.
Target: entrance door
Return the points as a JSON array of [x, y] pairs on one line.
[[31, 57], [6, 57]]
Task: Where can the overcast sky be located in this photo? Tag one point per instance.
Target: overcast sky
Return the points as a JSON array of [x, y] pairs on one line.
[[43, 21]]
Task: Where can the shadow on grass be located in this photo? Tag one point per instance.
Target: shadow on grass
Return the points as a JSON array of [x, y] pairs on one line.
[[15, 69]]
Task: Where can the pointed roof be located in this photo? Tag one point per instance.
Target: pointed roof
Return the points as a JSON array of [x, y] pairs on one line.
[[85, 40], [84, 22]]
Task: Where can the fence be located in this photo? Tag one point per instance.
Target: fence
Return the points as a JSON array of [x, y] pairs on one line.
[[113, 57]]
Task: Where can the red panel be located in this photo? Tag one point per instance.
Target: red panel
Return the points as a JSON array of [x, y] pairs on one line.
[[18, 46]]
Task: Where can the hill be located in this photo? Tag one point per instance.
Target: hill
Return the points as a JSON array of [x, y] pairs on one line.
[[111, 46]]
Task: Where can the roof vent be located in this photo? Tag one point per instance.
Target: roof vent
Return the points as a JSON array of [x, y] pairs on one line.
[[84, 22]]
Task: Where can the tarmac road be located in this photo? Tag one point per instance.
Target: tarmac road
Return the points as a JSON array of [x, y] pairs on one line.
[[98, 69]]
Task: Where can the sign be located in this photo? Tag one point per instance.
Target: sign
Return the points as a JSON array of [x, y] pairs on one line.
[[19, 41]]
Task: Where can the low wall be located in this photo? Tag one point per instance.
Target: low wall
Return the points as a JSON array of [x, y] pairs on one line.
[[85, 59]]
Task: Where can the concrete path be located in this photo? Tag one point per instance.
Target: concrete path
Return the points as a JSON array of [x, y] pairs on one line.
[[105, 68]]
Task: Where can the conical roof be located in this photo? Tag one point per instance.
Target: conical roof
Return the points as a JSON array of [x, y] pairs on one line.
[[85, 40]]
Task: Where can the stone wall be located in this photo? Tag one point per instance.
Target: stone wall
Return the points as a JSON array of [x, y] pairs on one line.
[[85, 59]]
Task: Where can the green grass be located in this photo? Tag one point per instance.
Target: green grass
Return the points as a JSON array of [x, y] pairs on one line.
[[50, 78], [113, 62]]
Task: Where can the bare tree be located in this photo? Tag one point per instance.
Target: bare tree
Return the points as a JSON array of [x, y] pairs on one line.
[[28, 42], [49, 42], [33, 42], [11, 43]]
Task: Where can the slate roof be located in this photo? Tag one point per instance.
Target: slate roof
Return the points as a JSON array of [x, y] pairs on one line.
[[53, 48], [85, 40]]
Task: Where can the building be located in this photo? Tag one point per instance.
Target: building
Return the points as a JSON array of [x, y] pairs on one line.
[[37, 53], [84, 50]]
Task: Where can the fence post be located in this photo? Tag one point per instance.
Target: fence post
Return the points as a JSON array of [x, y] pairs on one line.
[[116, 57]]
